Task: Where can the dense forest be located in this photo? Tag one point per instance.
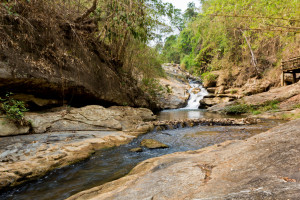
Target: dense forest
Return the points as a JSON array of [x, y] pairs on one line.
[[245, 38]]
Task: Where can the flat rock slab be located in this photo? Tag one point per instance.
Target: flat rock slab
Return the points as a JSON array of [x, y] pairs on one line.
[[28, 157], [265, 166]]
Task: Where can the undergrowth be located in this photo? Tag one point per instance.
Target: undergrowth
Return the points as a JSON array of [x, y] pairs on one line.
[[254, 109], [13, 109]]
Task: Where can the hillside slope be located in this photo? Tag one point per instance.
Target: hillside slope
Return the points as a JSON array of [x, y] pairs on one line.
[[50, 54]]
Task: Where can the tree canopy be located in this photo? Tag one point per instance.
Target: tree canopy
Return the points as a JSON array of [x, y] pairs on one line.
[[253, 34]]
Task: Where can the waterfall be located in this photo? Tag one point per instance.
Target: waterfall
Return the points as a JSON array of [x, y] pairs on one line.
[[197, 93]]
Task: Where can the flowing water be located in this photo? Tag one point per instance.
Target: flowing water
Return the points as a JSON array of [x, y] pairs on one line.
[[197, 93], [110, 164]]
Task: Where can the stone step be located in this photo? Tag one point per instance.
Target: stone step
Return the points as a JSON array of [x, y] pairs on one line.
[[167, 125]]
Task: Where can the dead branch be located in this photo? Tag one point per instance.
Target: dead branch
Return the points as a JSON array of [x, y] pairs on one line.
[[88, 12], [253, 58]]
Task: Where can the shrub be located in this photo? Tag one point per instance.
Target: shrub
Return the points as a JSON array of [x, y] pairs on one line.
[[237, 109], [270, 105], [234, 91], [296, 106], [13, 109], [208, 76], [256, 112], [152, 86]]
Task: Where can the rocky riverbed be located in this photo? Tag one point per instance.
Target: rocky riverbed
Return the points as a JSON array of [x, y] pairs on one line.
[[265, 166], [65, 136], [60, 138]]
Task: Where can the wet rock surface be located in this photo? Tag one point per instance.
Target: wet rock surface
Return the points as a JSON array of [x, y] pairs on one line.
[[65, 137], [24, 158], [265, 166], [176, 82], [153, 144]]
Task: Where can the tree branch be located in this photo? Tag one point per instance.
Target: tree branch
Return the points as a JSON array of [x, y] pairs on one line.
[[253, 58], [88, 12]]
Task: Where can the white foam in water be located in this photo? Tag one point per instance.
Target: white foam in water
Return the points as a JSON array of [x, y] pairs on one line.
[[194, 100]]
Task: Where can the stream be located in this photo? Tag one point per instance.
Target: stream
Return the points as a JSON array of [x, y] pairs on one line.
[[110, 164]]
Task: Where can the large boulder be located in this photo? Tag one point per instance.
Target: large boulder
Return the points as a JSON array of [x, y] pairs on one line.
[[153, 144], [265, 166], [255, 86], [208, 102], [92, 118], [8, 128], [176, 96]]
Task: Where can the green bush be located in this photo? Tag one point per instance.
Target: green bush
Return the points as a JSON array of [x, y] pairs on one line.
[[237, 109], [296, 106], [208, 76], [234, 91], [13, 109], [268, 106], [256, 112], [152, 86]]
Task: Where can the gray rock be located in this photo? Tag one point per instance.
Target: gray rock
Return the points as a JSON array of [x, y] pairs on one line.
[[93, 118], [8, 128], [153, 144]]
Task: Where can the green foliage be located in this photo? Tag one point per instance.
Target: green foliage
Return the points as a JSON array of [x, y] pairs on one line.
[[208, 76], [152, 87], [234, 91], [256, 112], [270, 105], [237, 109], [13, 109], [290, 116], [296, 106], [254, 109], [217, 34], [169, 90]]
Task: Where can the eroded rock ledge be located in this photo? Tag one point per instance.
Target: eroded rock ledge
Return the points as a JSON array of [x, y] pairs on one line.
[[64, 137], [265, 166]]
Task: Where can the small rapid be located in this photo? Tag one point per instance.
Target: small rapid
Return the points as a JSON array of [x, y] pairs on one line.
[[197, 93]]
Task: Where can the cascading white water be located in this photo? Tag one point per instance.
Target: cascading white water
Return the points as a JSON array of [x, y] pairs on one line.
[[197, 93]]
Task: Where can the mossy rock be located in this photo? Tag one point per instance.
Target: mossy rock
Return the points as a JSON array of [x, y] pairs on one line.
[[153, 144], [138, 149]]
